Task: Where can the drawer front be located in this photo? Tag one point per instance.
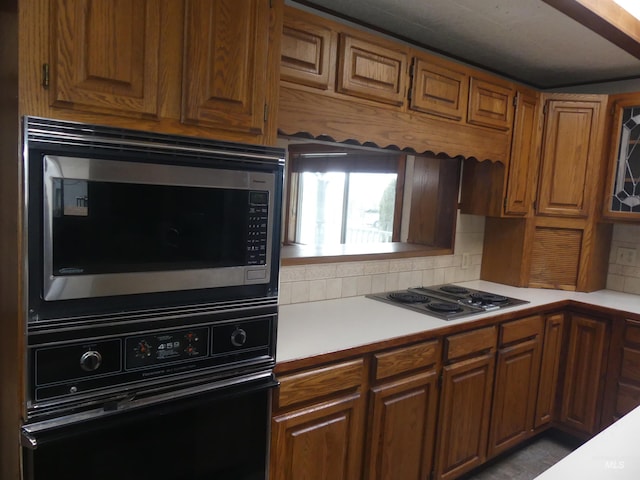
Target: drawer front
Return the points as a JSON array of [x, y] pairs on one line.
[[318, 382], [631, 364], [632, 335], [406, 359], [468, 343], [519, 330]]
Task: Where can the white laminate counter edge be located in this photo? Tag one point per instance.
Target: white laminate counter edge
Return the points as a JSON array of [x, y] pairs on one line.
[[316, 328]]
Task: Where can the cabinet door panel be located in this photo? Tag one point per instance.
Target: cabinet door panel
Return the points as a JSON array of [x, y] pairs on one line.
[[403, 418], [490, 105], [465, 406], [549, 370], [225, 63], [523, 164], [318, 442], [372, 71], [105, 55], [514, 397], [569, 158], [439, 90], [308, 51], [585, 367]]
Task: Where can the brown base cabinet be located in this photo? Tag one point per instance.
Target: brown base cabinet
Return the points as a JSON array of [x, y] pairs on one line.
[[439, 408], [516, 384], [584, 374], [549, 370], [316, 432], [403, 413], [403, 417], [465, 402]]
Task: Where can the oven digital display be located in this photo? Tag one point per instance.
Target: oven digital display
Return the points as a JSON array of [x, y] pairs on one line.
[[159, 348]]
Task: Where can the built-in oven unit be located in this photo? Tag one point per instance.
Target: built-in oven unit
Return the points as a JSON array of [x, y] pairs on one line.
[[152, 280]]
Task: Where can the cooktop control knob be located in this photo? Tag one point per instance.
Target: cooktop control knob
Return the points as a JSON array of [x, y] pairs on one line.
[[238, 337], [90, 361]]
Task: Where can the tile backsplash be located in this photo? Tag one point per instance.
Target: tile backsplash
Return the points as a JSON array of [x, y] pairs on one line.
[[307, 283], [624, 259]]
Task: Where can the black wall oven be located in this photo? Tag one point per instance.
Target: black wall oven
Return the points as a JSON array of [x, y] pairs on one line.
[[152, 282]]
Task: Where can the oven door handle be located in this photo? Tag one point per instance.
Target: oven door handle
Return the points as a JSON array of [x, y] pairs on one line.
[[34, 435]]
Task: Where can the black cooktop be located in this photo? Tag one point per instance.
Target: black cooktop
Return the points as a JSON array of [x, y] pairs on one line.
[[447, 301]]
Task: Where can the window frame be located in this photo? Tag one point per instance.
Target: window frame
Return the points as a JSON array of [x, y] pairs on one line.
[[427, 218]]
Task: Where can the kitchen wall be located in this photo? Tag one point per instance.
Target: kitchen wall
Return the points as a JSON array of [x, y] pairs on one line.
[[348, 279], [624, 265]]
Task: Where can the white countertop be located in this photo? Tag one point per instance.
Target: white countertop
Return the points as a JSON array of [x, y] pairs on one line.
[[612, 454], [315, 328]]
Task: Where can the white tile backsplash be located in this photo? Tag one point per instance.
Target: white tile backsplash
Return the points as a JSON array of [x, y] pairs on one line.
[[347, 279], [325, 281], [624, 278]]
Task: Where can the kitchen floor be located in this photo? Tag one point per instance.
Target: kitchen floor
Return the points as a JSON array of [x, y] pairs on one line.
[[528, 462]]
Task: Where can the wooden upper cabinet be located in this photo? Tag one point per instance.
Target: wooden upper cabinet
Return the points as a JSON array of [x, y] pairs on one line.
[[308, 51], [372, 70], [225, 64], [570, 164], [439, 90], [523, 165], [622, 201], [490, 103], [105, 56]]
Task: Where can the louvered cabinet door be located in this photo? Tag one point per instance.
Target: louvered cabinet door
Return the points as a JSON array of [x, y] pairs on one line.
[[105, 56], [226, 64]]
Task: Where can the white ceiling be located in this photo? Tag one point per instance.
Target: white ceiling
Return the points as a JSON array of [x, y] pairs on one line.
[[526, 40]]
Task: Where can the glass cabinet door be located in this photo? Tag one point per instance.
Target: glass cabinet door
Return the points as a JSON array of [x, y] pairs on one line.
[[625, 181]]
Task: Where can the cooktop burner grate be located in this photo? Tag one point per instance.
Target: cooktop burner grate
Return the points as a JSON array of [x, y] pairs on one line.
[[455, 289], [444, 307], [488, 298], [408, 297]]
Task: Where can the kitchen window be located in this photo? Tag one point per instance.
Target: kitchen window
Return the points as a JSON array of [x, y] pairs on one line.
[[346, 202]]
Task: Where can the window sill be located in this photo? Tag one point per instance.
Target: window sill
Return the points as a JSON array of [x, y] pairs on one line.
[[311, 254]]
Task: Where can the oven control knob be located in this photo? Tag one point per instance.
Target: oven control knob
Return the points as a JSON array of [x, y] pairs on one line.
[[238, 337], [90, 361]]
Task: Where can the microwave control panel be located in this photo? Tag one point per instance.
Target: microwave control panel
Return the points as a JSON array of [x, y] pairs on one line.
[[257, 232]]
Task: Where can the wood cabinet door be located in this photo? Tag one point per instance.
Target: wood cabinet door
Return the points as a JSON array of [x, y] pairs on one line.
[[225, 64], [439, 90], [402, 428], [105, 56], [465, 406], [514, 397], [549, 370], [318, 442], [308, 52], [372, 71], [585, 368], [570, 158], [490, 104], [523, 164]]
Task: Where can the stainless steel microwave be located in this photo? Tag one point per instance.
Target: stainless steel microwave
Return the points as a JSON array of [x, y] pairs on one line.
[[120, 213]]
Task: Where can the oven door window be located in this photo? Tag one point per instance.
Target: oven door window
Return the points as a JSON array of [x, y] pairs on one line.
[[221, 439]]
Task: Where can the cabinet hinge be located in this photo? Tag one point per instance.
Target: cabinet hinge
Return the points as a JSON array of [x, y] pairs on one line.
[[266, 112], [515, 100], [545, 109], [535, 205], [504, 203], [45, 75]]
